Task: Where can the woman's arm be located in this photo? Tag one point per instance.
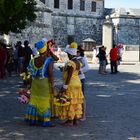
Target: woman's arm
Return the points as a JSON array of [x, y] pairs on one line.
[[70, 71], [30, 81], [65, 85], [54, 56]]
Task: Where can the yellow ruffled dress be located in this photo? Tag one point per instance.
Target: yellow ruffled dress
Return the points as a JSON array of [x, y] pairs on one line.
[[74, 92], [39, 107]]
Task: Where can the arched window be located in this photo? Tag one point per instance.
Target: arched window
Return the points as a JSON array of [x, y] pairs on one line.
[[56, 3], [70, 4], [82, 5], [93, 6]]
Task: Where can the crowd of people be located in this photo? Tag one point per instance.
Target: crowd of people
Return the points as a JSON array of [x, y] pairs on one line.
[[37, 63], [16, 58], [115, 56]]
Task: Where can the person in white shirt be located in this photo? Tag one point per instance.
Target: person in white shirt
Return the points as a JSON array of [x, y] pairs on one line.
[[84, 68], [59, 53], [94, 58]]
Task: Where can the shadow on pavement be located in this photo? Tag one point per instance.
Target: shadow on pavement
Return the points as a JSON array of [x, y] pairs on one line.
[[112, 111]]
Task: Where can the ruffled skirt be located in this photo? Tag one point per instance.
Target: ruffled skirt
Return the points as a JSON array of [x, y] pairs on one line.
[[39, 108], [34, 118], [74, 110]]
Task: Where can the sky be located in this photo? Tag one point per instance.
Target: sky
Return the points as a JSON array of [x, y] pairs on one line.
[[122, 4]]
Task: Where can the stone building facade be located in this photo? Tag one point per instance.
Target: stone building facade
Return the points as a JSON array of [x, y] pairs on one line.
[[41, 28], [68, 20], [65, 21], [122, 26], [125, 26], [76, 20]]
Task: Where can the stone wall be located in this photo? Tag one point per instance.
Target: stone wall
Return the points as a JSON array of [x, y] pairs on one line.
[[126, 26], [42, 27], [76, 23], [80, 28], [63, 8], [128, 31]]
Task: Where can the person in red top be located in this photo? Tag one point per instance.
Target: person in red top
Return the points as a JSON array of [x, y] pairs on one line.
[[3, 60], [114, 59]]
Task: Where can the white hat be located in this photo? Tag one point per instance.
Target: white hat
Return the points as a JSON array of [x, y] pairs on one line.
[[71, 49]]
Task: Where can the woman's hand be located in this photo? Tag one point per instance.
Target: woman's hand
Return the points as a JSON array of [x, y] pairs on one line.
[[62, 91]]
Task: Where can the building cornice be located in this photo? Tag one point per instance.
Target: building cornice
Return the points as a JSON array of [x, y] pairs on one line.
[[77, 15], [126, 17]]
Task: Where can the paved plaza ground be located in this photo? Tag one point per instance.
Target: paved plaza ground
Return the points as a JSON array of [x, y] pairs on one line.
[[113, 109]]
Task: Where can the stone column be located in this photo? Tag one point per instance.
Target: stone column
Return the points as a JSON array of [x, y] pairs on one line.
[[107, 38]]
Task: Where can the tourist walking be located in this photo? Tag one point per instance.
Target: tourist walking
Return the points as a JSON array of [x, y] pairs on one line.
[[42, 86], [114, 59], [102, 60]]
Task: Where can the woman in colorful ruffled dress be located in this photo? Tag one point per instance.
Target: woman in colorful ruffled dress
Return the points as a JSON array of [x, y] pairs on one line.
[[41, 70], [71, 88]]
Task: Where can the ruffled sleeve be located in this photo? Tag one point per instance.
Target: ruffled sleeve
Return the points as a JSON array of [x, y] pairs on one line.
[[71, 64], [31, 69]]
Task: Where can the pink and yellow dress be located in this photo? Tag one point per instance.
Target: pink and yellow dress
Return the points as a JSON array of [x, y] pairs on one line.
[[74, 92], [39, 107]]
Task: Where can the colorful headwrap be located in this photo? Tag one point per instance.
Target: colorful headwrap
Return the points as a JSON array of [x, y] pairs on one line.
[[72, 48], [50, 41], [41, 46]]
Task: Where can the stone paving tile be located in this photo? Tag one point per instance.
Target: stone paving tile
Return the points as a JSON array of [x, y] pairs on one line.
[[113, 103]]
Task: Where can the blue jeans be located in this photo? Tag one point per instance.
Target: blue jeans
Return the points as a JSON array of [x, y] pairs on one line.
[[83, 85]]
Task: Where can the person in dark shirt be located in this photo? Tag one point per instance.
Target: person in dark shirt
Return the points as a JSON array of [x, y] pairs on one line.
[[27, 55], [20, 55], [10, 63], [102, 60]]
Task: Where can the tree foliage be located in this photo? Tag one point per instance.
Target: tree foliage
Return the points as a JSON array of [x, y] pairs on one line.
[[14, 14]]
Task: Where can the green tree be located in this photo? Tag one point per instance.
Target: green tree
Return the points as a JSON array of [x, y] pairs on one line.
[[15, 14]]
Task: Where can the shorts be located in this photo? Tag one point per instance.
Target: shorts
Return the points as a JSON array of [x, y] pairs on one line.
[[102, 63]]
